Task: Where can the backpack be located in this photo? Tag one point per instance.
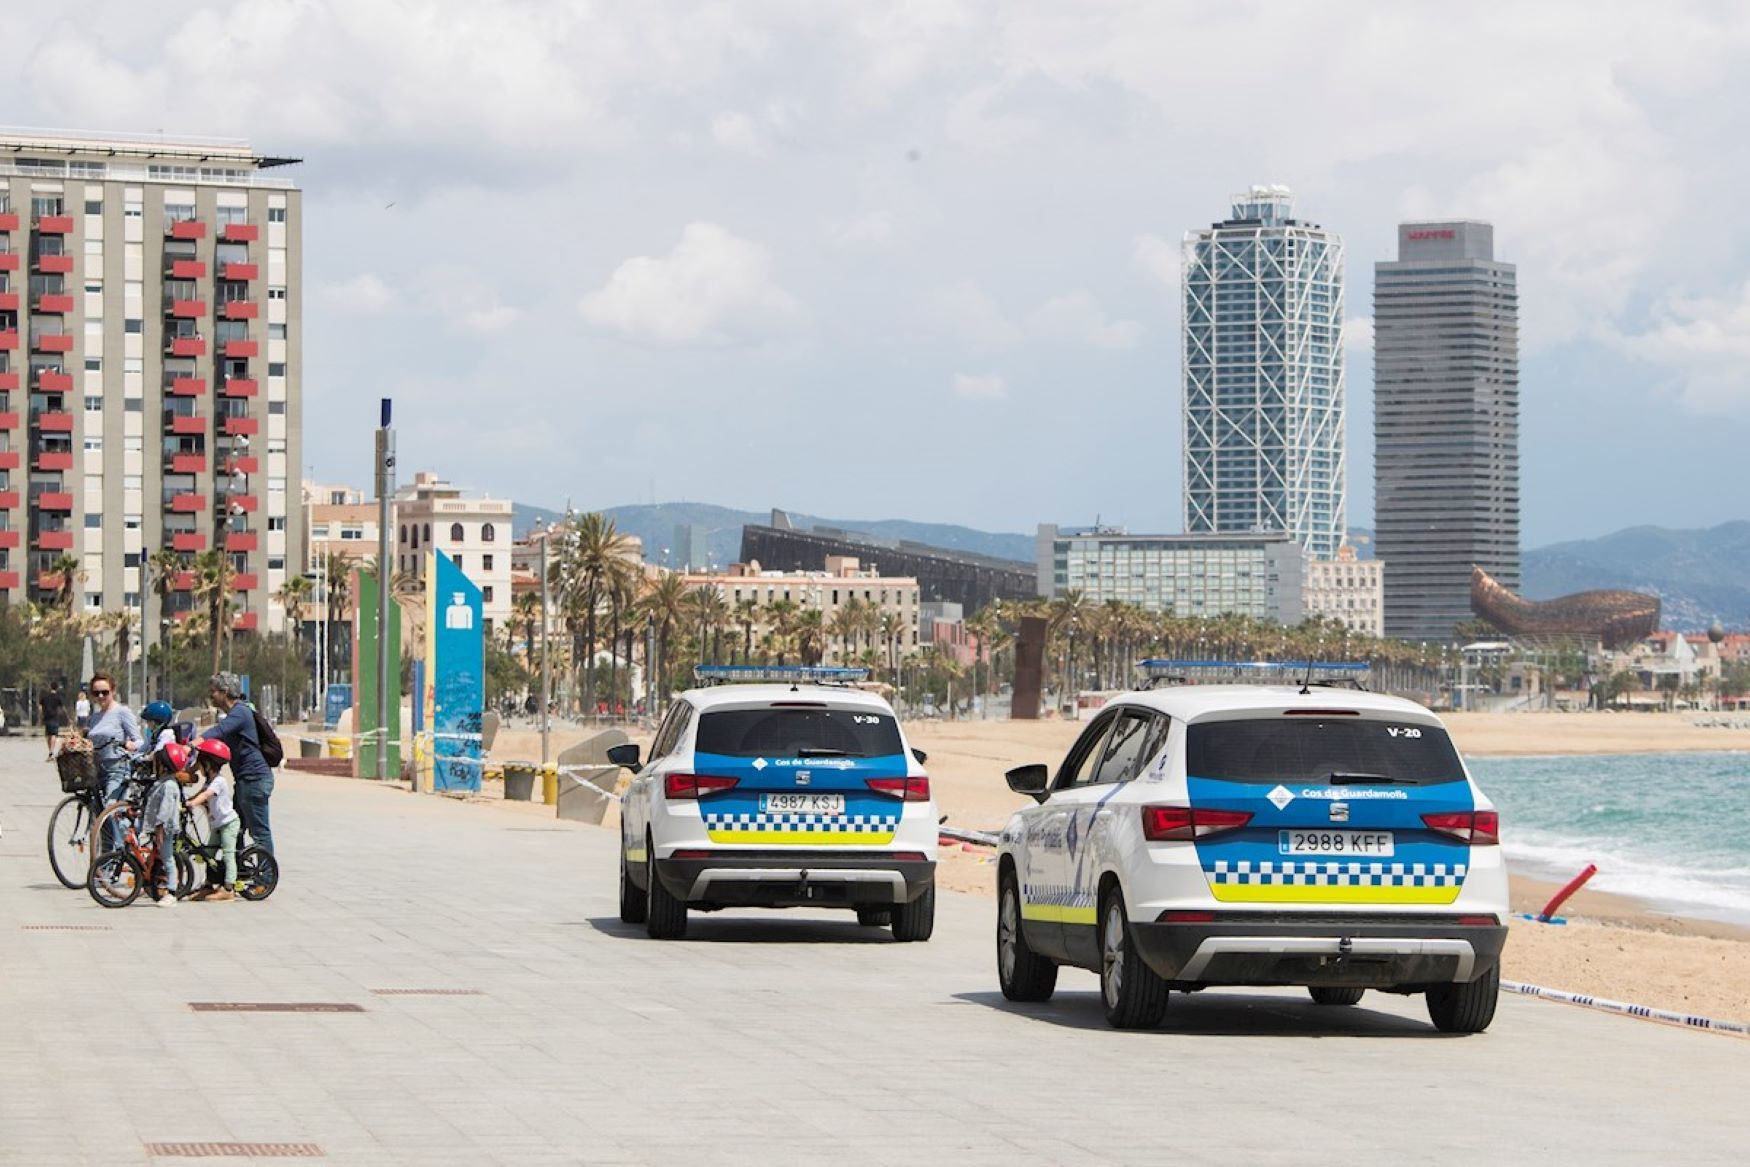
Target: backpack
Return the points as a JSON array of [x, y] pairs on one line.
[[271, 751]]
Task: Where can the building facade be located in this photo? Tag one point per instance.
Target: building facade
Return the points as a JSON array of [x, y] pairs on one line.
[[827, 591], [1347, 589], [1263, 368], [1445, 424], [432, 515], [150, 376], [340, 520], [1261, 576]]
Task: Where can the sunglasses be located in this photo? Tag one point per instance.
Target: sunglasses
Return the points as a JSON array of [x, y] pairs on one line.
[[100, 692]]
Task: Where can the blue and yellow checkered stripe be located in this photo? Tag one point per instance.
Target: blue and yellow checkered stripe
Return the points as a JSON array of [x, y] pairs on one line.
[[1055, 903], [855, 830], [1334, 881]]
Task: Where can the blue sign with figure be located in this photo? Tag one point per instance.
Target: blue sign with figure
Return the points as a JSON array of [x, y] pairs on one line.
[[454, 675]]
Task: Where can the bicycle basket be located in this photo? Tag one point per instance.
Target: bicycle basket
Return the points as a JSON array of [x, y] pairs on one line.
[[78, 770]]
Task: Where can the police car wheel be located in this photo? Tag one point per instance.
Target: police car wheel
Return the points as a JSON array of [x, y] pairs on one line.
[[917, 919], [634, 900], [874, 917], [667, 916], [1465, 1008], [1023, 974], [1334, 994], [1134, 994]]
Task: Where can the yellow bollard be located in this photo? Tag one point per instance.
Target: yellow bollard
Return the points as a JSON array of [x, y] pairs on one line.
[[550, 785]]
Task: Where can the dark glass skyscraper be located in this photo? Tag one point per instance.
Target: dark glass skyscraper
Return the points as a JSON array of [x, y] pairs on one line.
[[1446, 424]]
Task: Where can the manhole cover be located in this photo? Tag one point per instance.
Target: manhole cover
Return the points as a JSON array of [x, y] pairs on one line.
[[275, 1007], [428, 992], [66, 927], [236, 1150]]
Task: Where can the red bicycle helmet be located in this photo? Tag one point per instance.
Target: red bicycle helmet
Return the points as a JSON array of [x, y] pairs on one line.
[[213, 748], [176, 754]]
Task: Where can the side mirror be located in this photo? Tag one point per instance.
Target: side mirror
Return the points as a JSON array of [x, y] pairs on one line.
[[626, 755], [1030, 780], [919, 755]]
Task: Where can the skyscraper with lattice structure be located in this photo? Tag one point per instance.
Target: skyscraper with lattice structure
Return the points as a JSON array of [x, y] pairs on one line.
[[1264, 409]]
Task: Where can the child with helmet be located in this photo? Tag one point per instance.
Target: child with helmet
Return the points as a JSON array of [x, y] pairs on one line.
[[160, 811], [211, 756]]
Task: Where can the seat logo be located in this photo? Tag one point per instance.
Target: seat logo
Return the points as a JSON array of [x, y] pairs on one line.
[[1339, 812]]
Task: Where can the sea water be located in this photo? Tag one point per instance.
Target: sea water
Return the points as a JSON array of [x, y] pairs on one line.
[[1672, 829]]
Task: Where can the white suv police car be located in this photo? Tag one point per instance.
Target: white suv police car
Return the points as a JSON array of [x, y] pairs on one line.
[[778, 796], [1256, 835]]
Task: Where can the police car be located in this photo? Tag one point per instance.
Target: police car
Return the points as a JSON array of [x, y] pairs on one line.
[[1225, 834], [801, 793]]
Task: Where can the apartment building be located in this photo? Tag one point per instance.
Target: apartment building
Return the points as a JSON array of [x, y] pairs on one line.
[[1257, 575], [432, 515], [826, 592], [150, 381], [1349, 590], [340, 520]]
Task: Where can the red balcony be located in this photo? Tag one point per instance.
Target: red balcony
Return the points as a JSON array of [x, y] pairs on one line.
[[55, 540], [240, 310], [54, 423], [187, 464], [59, 305], [245, 622], [9, 539], [242, 271], [54, 264], [50, 459], [186, 229], [49, 581], [242, 425], [8, 500], [8, 301], [244, 465], [188, 346], [52, 342], [54, 500], [188, 425], [8, 580], [8, 261], [245, 581], [188, 504], [242, 541], [247, 503], [188, 541], [242, 348], [8, 220], [187, 386], [47, 382], [240, 387], [240, 232], [54, 224], [187, 309], [183, 581], [8, 381], [9, 339], [9, 459], [187, 269], [9, 419]]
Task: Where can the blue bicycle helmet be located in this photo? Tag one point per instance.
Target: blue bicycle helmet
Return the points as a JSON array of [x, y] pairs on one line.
[[158, 713]]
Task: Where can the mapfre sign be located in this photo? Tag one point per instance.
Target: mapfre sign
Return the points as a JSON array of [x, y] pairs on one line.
[[1432, 233]]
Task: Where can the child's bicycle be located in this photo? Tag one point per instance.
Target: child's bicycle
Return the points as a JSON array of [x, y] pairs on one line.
[[119, 876], [257, 872]]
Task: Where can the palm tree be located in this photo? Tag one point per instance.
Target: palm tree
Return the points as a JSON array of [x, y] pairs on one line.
[[621, 587], [892, 629], [525, 612], [69, 573], [781, 617], [122, 622], [665, 602], [810, 636], [847, 623], [591, 550], [294, 597], [745, 614], [212, 586], [337, 571]]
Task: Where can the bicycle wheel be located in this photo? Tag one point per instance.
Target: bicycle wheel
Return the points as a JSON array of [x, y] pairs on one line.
[[259, 873], [70, 841], [115, 820], [116, 879]]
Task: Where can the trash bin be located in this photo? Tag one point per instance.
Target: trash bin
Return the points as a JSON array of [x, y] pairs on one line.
[[309, 747], [519, 781]]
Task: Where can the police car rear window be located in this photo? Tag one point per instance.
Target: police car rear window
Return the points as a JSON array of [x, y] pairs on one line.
[[1316, 750], [796, 733]]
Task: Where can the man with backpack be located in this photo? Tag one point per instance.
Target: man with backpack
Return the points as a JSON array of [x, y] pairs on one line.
[[255, 751]]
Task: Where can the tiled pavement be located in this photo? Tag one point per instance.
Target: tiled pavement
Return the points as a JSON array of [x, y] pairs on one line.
[[777, 1038]]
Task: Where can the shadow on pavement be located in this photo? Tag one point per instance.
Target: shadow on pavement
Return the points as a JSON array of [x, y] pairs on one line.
[[1221, 1015], [744, 930]]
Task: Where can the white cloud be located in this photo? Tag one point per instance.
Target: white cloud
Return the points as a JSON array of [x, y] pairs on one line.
[[1078, 316], [1705, 342], [489, 318], [735, 132], [980, 386], [868, 230], [1161, 259], [965, 312], [713, 288], [365, 292]]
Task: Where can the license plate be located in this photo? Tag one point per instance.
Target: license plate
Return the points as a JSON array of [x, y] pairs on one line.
[[1368, 844], [827, 804]]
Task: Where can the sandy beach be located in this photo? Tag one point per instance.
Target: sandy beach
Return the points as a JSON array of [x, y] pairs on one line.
[[1613, 946]]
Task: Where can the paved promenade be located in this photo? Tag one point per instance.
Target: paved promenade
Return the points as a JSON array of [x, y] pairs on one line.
[[553, 1034]]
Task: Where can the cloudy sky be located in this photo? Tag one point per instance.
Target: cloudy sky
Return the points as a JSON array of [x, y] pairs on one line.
[[919, 258]]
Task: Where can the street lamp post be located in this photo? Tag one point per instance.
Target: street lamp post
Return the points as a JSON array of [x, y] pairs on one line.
[[546, 655]]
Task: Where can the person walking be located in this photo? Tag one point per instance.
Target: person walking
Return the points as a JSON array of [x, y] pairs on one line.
[[82, 711], [115, 734], [54, 711], [236, 728]]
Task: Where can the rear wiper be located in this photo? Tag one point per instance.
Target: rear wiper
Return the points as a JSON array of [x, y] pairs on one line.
[[1350, 778], [825, 752]]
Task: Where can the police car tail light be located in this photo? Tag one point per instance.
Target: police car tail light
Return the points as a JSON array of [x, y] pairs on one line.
[[1480, 828], [1161, 824], [904, 789], [695, 785]]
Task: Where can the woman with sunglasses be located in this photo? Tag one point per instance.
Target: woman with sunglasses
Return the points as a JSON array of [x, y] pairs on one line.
[[115, 736]]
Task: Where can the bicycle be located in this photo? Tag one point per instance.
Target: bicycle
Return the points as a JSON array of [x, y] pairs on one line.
[[119, 876], [258, 873], [77, 816]]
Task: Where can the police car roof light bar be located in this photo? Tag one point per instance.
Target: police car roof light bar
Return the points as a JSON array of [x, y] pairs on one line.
[[778, 674], [1181, 672]]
